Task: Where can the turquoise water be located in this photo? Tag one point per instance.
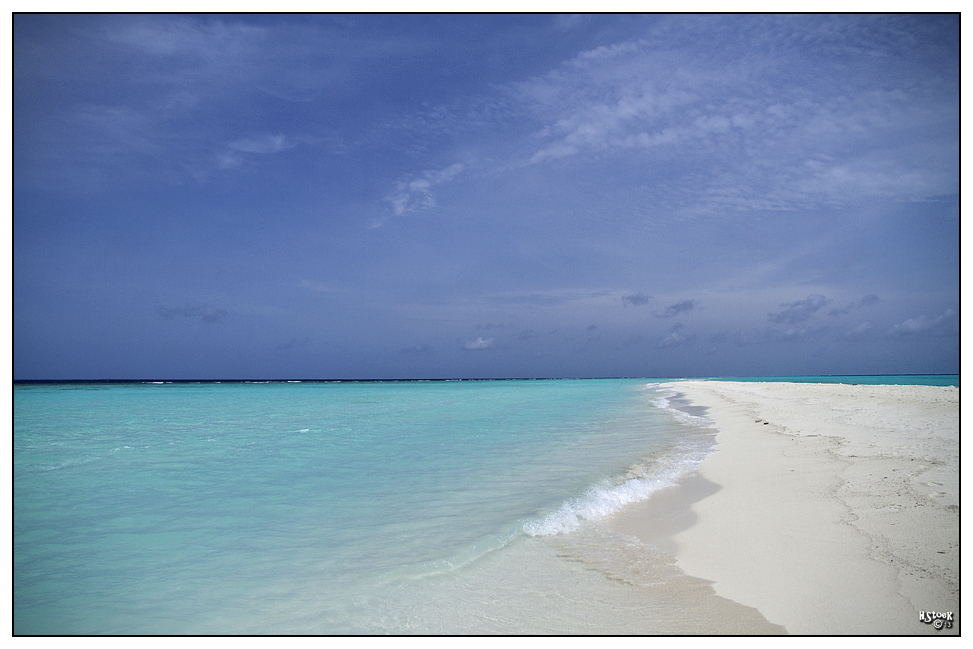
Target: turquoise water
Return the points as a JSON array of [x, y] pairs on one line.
[[313, 507]]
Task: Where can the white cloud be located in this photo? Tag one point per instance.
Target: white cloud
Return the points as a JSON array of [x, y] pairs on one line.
[[262, 144], [479, 343], [177, 35], [796, 139], [416, 194], [922, 324]]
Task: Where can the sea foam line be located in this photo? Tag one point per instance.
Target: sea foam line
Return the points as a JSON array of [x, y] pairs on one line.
[[594, 505], [604, 500]]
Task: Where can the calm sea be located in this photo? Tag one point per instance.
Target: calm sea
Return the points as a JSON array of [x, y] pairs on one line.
[[350, 508]]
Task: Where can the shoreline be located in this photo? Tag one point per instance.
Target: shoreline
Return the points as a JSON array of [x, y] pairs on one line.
[[830, 508]]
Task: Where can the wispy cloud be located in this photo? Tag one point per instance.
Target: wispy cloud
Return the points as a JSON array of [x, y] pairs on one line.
[[550, 170], [799, 311], [183, 88], [262, 144], [567, 22], [945, 323], [678, 309], [416, 193], [738, 127], [174, 35], [479, 344], [792, 147]]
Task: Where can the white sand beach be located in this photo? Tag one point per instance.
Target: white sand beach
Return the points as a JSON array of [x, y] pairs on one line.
[[830, 508]]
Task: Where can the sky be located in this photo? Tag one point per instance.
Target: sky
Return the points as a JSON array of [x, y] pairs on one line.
[[484, 196]]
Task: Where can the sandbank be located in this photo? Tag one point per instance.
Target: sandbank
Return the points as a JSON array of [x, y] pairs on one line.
[[830, 508]]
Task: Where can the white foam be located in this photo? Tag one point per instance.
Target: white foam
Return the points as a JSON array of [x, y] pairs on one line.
[[602, 501], [662, 402], [645, 479], [594, 505], [68, 463]]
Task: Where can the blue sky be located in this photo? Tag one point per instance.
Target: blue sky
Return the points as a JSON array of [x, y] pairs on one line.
[[420, 196]]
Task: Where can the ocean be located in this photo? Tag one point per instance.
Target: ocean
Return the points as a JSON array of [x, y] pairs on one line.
[[307, 507]]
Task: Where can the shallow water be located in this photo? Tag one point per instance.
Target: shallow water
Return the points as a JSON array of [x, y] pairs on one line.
[[316, 507]]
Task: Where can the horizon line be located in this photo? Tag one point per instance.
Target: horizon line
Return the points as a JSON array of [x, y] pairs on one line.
[[157, 380]]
